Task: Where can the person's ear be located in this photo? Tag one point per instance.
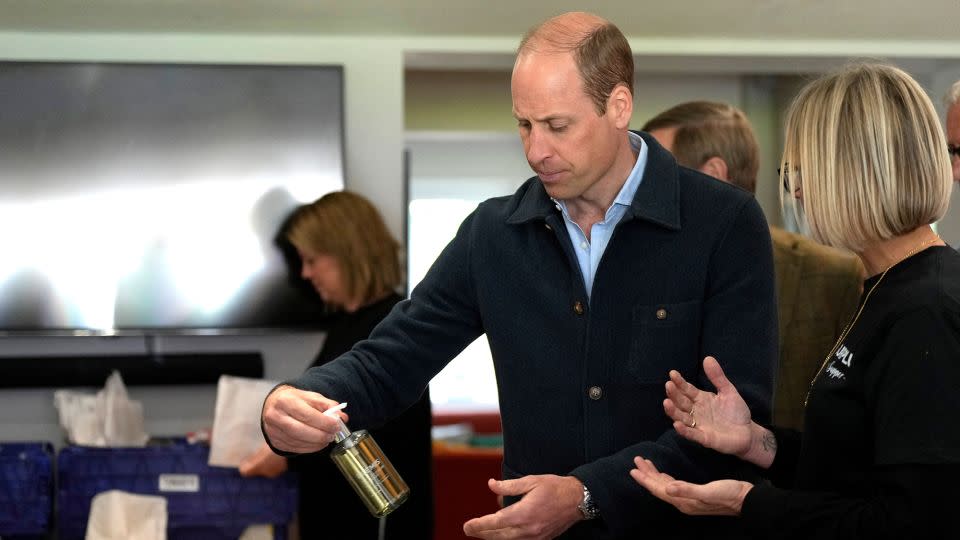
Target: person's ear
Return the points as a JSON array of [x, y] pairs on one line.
[[716, 167], [620, 106]]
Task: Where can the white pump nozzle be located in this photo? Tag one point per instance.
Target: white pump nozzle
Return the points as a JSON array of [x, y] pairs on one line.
[[343, 432]]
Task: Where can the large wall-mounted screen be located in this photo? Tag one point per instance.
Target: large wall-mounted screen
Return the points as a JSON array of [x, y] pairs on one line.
[[147, 197]]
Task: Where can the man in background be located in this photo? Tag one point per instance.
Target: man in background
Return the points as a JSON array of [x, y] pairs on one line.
[[817, 286], [952, 102]]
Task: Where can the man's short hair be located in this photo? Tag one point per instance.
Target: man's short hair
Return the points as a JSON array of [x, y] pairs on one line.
[[600, 50], [707, 129]]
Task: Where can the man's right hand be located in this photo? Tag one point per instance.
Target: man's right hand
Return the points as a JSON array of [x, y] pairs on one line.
[[293, 420]]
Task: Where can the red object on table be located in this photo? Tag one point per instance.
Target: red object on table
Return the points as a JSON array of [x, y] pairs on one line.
[[460, 475]]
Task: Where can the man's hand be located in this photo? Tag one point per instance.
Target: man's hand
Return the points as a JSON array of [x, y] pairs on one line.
[[548, 507], [293, 420], [264, 463]]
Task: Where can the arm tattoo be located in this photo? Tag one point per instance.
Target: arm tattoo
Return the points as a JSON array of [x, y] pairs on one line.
[[769, 442]]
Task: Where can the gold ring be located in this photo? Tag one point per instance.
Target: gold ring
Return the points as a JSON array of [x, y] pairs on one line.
[[694, 423]]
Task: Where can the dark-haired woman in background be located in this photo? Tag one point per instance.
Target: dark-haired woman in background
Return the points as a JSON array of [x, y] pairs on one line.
[[352, 261]]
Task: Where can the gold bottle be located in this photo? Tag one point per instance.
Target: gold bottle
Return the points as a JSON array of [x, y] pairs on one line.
[[367, 469]]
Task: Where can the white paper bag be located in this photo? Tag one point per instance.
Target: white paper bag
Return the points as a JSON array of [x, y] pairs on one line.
[[236, 422], [110, 418], [123, 417], [118, 515]]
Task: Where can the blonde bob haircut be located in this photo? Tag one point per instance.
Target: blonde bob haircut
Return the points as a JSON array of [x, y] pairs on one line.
[[348, 227], [870, 154]]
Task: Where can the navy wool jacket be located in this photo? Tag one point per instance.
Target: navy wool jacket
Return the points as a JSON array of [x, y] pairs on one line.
[[688, 272]]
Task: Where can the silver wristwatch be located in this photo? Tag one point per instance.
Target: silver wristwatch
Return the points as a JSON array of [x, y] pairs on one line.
[[587, 507]]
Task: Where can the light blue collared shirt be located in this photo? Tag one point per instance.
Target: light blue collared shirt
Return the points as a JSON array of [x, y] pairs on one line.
[[589, 252]]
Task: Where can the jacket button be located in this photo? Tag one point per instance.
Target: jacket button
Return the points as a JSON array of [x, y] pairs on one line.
[[578, 307], [661, 314], [595, 393]]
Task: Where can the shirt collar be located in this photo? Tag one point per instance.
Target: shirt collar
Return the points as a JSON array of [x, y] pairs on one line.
[[629, 189]]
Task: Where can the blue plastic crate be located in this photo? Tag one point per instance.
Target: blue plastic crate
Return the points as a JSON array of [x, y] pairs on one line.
[[26, 488], [202, 501]]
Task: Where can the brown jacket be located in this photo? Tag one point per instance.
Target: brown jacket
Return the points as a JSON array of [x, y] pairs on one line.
[[817, 292]]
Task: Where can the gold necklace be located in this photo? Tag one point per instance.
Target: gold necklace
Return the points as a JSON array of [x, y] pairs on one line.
[[843, 335]]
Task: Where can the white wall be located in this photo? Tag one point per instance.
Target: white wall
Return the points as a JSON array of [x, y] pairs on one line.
[[450, 174]]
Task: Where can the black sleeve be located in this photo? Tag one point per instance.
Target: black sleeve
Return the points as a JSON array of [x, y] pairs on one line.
[[782, 471], [905, 501]]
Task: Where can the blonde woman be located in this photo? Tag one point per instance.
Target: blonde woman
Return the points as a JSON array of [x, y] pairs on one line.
[[352, 261], [866, 158]]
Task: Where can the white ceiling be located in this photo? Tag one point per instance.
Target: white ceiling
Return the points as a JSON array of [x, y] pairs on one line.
[[935, 22], [703, 36]]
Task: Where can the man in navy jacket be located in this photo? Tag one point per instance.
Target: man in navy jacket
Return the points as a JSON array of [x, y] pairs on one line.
[[609, 268]]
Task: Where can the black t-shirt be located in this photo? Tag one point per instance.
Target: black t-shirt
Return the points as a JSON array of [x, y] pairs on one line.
[[880, 452]]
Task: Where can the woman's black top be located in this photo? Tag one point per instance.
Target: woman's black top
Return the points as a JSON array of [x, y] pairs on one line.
[[880, 454]]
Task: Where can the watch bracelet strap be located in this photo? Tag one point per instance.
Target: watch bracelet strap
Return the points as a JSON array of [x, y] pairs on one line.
[[588, 507]]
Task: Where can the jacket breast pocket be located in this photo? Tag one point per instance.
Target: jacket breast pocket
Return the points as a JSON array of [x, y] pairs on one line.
[[665, 337]]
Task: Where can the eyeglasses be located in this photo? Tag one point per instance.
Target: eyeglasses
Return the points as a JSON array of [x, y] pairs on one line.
[[953, 150], [786, 179]]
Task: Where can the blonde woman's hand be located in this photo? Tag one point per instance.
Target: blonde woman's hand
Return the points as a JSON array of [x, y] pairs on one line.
[[719, 498], [720, 420]]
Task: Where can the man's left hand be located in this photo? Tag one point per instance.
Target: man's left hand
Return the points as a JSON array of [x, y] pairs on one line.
[[548, 507]]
